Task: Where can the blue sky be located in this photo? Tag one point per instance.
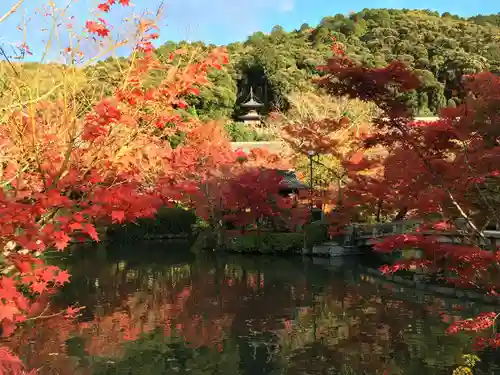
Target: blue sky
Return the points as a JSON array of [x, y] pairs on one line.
[[221, 21]]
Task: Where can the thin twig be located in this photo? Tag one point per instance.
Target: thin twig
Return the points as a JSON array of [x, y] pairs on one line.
[[2, 51], [33, 101], [11, 11]]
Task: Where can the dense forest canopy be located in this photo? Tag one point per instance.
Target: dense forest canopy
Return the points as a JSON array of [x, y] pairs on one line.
[[441, 48]]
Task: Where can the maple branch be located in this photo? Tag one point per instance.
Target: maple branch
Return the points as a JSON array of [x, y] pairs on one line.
[[33, 101], [338, 176], [40, 315], [428, 165], [481, 195], [49, 216], [64, 166], [60, 313], [18, 173], [299, 149], [36, 148]]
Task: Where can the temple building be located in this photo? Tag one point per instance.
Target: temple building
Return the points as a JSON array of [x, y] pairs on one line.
[[252, 107]]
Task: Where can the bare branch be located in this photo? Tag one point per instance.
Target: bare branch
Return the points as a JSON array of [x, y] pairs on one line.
[[11, 11]]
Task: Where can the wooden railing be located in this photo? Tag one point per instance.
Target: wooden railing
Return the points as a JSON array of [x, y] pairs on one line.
[[368, 234]]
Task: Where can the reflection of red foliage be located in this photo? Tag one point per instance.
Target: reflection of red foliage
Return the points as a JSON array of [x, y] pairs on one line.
[[46, 348], [367, 324], [144, 313], [136, 315]]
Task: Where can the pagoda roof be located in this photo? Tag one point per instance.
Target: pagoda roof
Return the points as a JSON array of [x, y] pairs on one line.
[[252, 103], [250, 116]]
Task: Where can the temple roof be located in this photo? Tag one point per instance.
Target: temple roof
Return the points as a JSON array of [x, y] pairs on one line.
[[290, 180], [252, 115], [252, 103]]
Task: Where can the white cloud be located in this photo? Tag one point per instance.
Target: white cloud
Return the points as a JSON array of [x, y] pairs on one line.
[[287, 5]]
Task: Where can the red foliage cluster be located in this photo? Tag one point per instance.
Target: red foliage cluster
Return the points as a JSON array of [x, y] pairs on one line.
[[254, 195], [67, 176]]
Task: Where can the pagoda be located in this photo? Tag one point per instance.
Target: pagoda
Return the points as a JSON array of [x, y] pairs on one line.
[[253, 107]]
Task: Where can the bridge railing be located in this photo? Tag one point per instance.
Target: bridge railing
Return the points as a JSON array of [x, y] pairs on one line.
[[358, 233], [364, 232], [385, 229]]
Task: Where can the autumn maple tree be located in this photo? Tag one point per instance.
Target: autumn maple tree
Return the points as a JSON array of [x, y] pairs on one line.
[[443, 173], [64, 176], [328, 132], [252, 198]]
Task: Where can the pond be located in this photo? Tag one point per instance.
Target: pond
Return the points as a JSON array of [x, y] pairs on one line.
[[155, 309]]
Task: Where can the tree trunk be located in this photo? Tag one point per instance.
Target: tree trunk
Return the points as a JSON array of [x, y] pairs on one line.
[[401, 214]]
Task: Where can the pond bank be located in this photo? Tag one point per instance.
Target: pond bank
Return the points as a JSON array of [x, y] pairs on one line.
[[458, 293]]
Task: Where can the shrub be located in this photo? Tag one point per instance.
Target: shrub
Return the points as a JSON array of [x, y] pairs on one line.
[[268, 243], [316, 233], [168, 221], [241, 132]]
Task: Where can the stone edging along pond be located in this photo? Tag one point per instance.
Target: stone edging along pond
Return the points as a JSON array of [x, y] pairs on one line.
[[458, 293], [148, 237]]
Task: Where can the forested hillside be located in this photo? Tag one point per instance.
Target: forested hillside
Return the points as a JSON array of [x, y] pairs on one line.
[[440, 47]]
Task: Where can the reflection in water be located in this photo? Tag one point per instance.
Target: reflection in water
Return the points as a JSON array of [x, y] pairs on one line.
[[235, 315]]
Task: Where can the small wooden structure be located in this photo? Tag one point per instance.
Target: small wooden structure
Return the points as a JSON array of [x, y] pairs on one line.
[[290, 183]]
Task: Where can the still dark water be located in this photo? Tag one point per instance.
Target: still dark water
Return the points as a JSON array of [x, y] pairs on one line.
[[156, 309]]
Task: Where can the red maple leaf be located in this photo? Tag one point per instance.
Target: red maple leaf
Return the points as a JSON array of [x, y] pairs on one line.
[[7, 311], [27, 279], [9, 327], [23, 263], [47, 275], [105, 7], [7, 287], [72, 311], [90, 230], [39, 287], [118, 216], [62, 277], [97, 28], [61, 240], [75, 226], [10, 363], [357, 157]]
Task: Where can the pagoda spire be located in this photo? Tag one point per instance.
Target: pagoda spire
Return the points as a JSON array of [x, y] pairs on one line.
[[251, 93], [252, 103]]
